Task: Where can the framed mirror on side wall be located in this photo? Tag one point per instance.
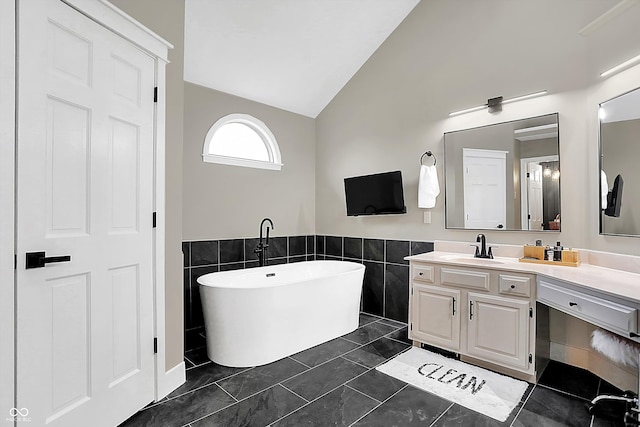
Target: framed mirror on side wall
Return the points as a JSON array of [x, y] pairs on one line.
[[619, 192], [504, 176]]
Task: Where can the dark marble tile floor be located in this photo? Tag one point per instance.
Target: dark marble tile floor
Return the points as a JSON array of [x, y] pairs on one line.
[[336, 384]]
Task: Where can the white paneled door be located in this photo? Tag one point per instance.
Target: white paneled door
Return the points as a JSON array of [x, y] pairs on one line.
[[84, 220], [485, 188], [534, 195]]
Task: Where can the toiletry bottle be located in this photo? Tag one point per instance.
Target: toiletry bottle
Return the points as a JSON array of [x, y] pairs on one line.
[[548, 253], [557, 252]]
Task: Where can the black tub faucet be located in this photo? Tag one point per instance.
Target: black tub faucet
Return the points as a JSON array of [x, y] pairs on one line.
[[481, 252], [261, 249]]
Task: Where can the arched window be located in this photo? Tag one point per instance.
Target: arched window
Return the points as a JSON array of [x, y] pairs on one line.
[[242, 140]]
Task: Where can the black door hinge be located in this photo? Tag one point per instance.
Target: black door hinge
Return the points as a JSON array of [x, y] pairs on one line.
[[527, 174], [531, 312], [530, 358], [155, 94], [15, 261], [411, 326], [154, 220], [529, 216], [155, 346]]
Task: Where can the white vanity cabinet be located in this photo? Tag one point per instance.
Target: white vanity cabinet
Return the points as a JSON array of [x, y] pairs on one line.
[[498, 330], [442, 326], [485, 314]]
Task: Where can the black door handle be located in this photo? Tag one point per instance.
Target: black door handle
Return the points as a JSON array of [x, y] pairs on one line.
[[38, 259]]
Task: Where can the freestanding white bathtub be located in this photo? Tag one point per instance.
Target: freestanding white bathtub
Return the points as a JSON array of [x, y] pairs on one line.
[[259, 315]]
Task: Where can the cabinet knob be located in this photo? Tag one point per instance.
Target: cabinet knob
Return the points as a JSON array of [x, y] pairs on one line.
[[572, 304], [513, 286], [420, 274]]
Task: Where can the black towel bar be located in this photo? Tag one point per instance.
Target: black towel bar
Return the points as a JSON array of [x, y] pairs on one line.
[[430, 154]]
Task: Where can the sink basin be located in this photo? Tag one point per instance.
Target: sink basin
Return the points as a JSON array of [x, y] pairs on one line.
[[471, 260]]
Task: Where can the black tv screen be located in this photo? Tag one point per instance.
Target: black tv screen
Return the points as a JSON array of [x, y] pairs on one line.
[[377, 194]]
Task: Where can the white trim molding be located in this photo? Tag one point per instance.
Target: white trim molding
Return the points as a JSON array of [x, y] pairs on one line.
[[108, 15], [171, 380]]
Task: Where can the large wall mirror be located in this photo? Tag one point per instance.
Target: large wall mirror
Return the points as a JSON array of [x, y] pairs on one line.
[[504, 176], [620, 165]]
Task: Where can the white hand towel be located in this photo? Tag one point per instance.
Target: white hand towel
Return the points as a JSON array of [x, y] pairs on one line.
[[604, 189], [428, 187]]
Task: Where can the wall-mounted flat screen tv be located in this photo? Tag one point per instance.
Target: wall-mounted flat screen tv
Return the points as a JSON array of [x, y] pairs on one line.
[[377, 194]]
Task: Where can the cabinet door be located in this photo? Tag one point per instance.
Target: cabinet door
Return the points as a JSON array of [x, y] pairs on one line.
[[435, 317], [498, 330]]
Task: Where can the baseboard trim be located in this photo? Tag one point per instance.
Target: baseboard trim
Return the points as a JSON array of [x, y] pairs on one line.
[[171, 380]]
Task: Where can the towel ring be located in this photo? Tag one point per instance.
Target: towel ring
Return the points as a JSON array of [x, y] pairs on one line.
[[430, 154]]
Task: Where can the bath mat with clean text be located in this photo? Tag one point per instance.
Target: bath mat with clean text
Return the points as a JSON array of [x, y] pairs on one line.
[[475, 388]]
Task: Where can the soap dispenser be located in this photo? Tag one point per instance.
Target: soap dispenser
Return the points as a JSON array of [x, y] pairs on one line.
[[557, 252]]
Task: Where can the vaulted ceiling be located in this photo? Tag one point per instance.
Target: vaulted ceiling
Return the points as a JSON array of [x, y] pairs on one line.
[[298, 54], [291, 54]]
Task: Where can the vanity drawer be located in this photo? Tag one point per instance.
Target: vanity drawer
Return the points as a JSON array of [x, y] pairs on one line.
[[602, 312], [467, 278], [423, 273], [515, 285]]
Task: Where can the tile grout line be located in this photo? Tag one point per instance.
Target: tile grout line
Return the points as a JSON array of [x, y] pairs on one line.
[[302, 363], [234, 403], [344, 384], [396, 340], [384, 277], [356, 363], [371, 342], [381, 403], [280, 383], [362, 393], [566, 393], [197, 366], [288, 389], [268, 387], [202, 386], [230, 395], [190, 361], [524, 402], [442, 414]]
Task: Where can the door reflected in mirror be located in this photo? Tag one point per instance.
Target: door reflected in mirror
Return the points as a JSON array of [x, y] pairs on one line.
[[504, 176], [619, 204]]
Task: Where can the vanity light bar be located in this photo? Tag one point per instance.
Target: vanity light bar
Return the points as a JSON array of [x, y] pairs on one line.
[[505, 101], [620, 66], [468, 110], [520, 98]]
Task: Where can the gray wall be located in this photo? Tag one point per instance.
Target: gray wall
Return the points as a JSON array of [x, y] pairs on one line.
[[396, 107], [221, 201], [440, 60]]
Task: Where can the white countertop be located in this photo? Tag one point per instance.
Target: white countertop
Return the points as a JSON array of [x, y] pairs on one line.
[[611, 281]]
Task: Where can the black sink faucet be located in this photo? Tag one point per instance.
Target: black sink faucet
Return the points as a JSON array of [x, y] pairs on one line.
[[481, 252], [262, 247]]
